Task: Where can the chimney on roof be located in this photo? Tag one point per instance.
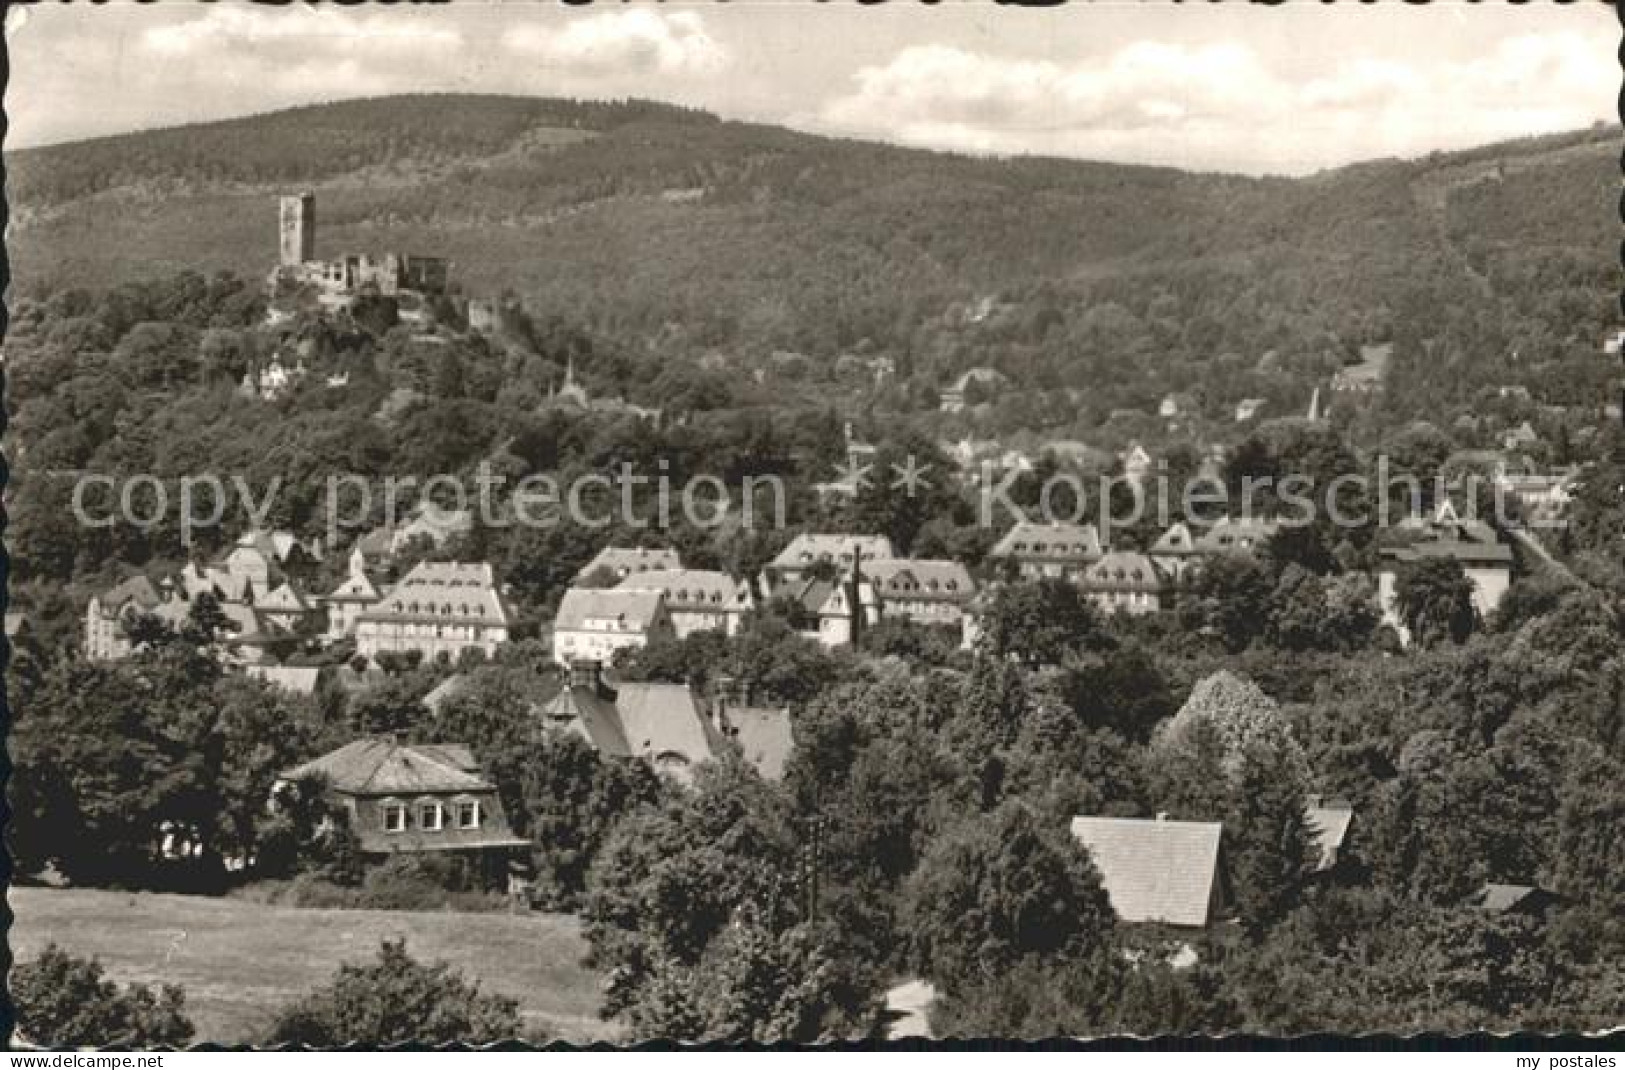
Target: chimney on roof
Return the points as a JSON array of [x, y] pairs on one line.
[[1162, 815], [1314, 801]]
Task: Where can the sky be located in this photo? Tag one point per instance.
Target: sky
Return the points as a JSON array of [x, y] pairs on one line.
[[1225, 87]]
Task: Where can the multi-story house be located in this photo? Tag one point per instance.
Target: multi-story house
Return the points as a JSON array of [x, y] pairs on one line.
[[439, 607], [697, 600], [1486, 561], [416, 799], [347, 602], [108, 614], [1049, 551], [1237, 535], [620, 562], [810, 553], [920, 590], [1126, 583], [594, 624], [1174, 551]]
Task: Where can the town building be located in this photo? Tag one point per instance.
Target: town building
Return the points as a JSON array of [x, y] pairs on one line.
[[594, 624], [284, 609], [272, 380], [430, 525], [1157, 871], [347, 602], [811, 553], [697, 600], [1137, 463], [294, 679], [668, 726], [1543, 498], [1366, 376], [106, 635], [1237, 535], [370, 554], [616, 563], [417, 799], [1048, 551], [664, 725], [1122, 582], [921, 590], [1486, 561], [439, 607], [1174, 551]]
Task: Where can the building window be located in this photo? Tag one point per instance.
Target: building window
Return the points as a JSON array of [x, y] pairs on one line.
[[430, 817], [468, 815], [394, 817]]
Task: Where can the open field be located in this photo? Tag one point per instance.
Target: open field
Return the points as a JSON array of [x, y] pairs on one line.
[[240, 961]]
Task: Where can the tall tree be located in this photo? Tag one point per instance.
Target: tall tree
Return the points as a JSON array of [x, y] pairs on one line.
[[1435, 600]]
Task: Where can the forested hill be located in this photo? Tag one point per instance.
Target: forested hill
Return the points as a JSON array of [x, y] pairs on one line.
[[653, 221]]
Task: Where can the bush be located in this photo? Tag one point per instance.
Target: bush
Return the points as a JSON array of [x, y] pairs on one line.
[[62, 1001], [396, 1000], [399, 884]]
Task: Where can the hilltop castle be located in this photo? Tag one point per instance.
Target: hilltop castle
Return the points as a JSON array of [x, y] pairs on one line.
[[340, 281]]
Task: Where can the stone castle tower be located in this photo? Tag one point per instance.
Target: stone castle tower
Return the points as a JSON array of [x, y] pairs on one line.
[[298, 229]]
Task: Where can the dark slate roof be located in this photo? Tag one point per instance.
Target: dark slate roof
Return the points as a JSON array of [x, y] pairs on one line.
[[137, 590], [379, 766], [660, 723], [1049, 542], [1154, 870]]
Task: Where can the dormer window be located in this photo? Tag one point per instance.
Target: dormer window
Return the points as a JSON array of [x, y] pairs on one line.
[[431, 818], [468, 814]]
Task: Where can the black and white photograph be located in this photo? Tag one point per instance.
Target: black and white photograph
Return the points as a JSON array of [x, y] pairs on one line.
[[805, 525]]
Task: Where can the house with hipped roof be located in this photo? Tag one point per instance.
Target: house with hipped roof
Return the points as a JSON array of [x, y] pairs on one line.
[[416, 798], [594, 624], [1122, 582], [1048, 551], [622, 562], [921, 590], [1238, 535], [812, 552], [1158, 871], [439, 607], [696, 599]]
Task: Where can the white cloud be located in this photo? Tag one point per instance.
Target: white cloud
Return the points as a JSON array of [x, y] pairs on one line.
[[222, 31], [1220, 106], [622, 43]]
